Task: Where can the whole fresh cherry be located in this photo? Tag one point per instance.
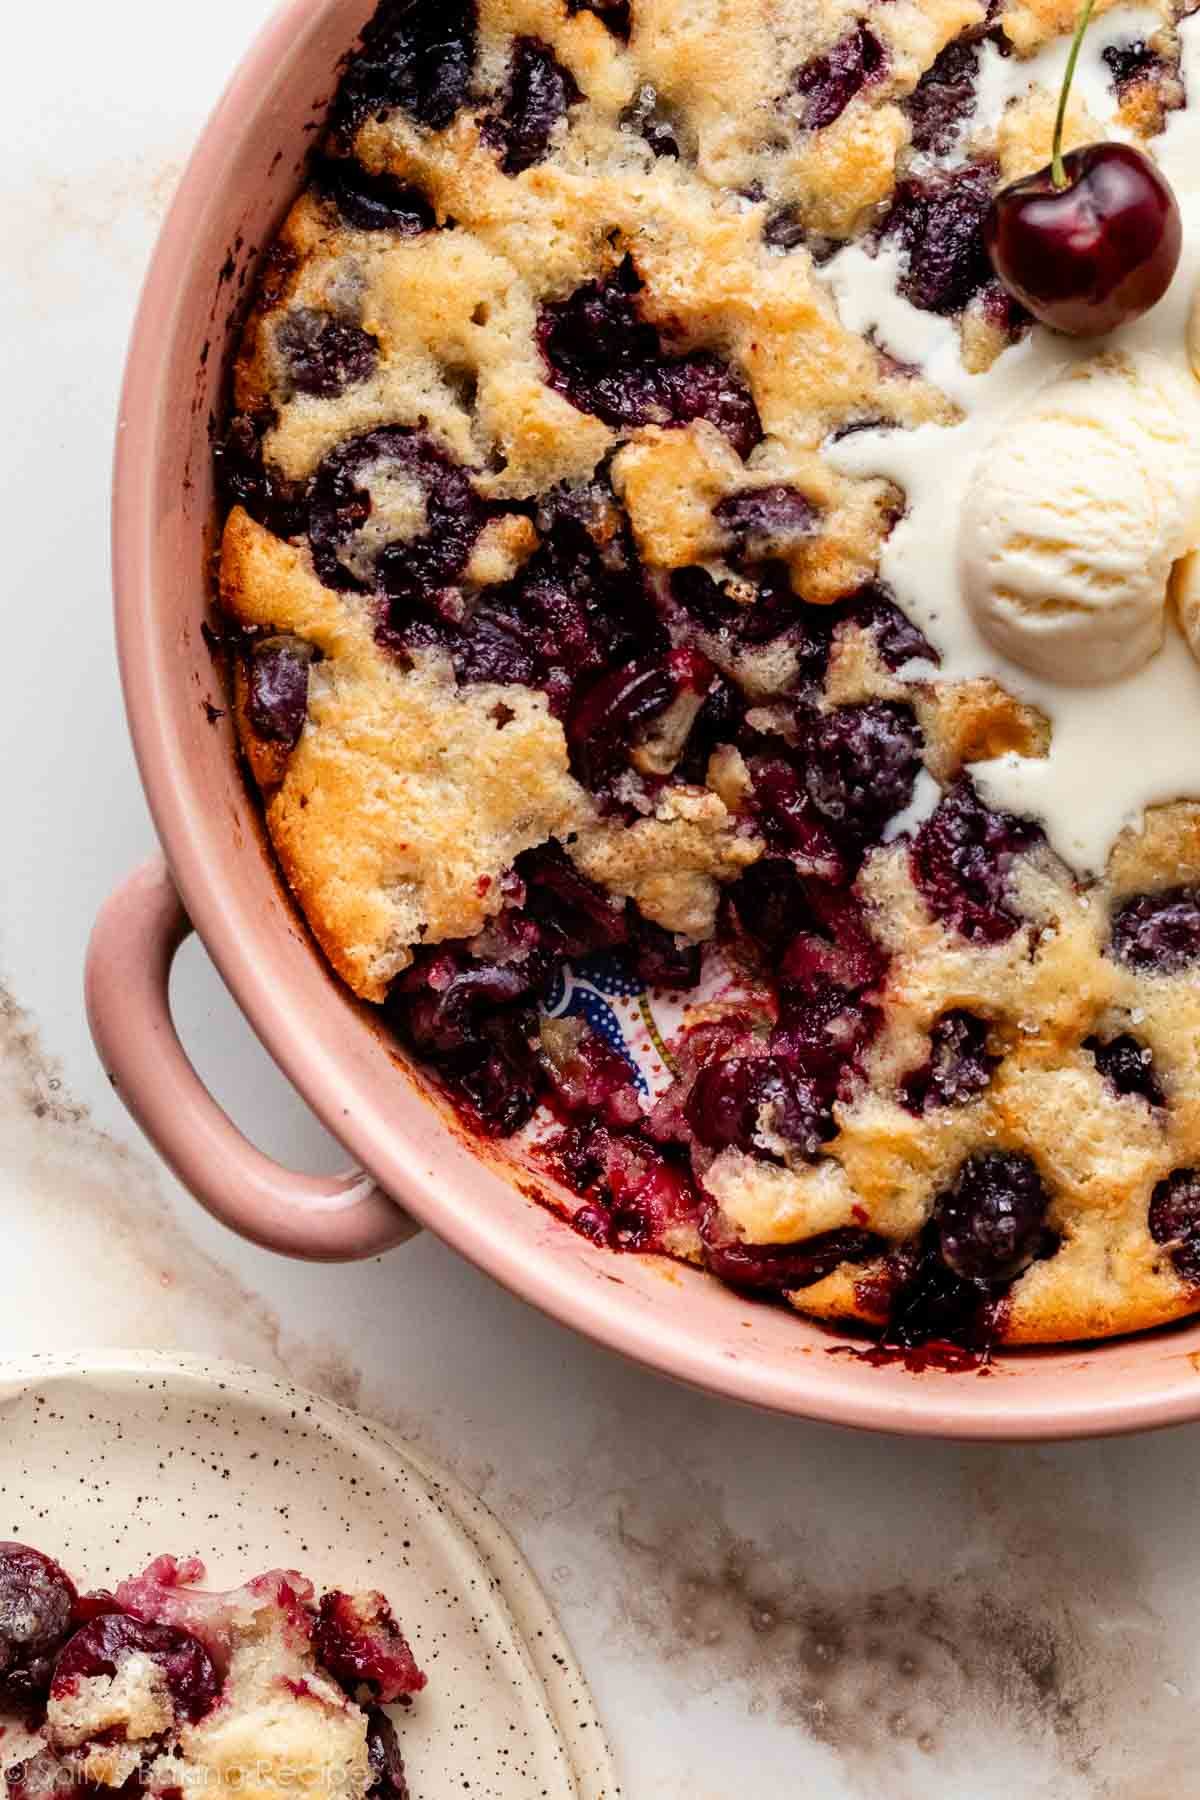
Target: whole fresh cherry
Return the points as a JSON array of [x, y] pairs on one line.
[[1091, 241], [1092, 254]]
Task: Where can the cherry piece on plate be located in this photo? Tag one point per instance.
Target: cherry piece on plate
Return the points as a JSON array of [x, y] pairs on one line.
[[1093, 240], [37, 1611], [357, 1638]]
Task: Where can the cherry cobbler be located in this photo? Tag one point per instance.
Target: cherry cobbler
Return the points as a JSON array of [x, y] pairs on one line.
[[158, 1688], [592, 587]]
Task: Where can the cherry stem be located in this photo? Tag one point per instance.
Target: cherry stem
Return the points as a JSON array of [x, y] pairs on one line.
[[1058, 173]]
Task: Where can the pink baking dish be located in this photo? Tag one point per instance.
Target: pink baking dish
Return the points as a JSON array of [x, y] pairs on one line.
[[216, 877]]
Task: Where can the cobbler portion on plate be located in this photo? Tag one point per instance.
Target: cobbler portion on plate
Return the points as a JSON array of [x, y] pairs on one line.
[[158, 1688], [557, 631]]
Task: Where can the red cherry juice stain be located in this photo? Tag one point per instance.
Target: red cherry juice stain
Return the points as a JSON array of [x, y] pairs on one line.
[[947, 1359]]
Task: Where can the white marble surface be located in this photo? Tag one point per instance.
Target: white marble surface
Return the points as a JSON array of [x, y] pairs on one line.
[[764, 1608]]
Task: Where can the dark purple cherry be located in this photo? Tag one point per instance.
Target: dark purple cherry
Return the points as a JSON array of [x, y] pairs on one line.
[[650, 120], [861, 763], [782, 1268], [990, 1224], [604, 358], [959, 1065], [822, 1034], [104, 1645], [1159, 933], [574, 916], [609, 718], [897, 639], [733, 1102], [784, 229], [944, 96], [411, 572], [789, 822], [640, 1195], [832, 947], [538, 95], [661, 958], [385, 1757], [37, 1607], [767, 521], [1094, 253], [930, 1303], [246, 480], [444, 1018], [1130, 64], [770, 900], [1127, 1066], [826, 85], [372, 202], [277, 700], [962, 860], [938, 217], [1175, 1220], [418, 55], [325, 355]]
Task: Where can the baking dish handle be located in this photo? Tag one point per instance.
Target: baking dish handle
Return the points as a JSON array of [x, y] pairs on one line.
[[336, 1218]]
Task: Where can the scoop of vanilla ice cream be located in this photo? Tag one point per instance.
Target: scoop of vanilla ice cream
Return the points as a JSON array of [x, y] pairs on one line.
[[1186, 589], [1078, 512]]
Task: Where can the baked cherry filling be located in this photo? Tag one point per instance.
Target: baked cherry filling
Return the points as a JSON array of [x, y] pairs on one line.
[[959, 1065], [608, 719], [372, 202], [357, 1639], [963, 861], [860, 764], [897, 639], [538, 95], [785, 1268], [945, 94], [767, 521], [277, 682], [826, 85], [606, 359], [758, 1102], [1128, 1067], [387, 1761], [399, 471], [937, 218], [1175, 1220], [416, 55], [103, 1646], [774, 615], [1159, 933], [577, 610], [474, 1017], [987, 1229], [246, 480], [324, 355], [784, 229]]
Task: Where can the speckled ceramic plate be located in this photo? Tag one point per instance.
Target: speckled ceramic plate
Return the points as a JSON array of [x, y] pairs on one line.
[[106, 1461]]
